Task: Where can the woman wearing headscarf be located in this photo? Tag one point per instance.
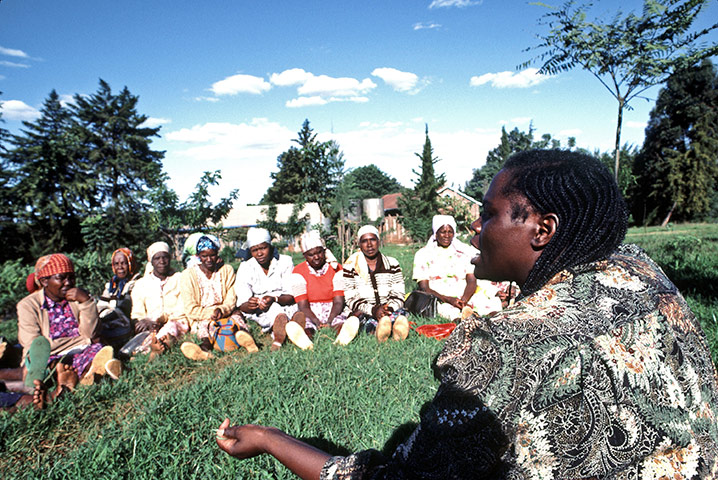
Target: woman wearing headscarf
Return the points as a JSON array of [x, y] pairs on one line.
[[318, 289], [66, 316], [263, 287], [374, 288], [443, 269], [156, 304], [207, 291], [115, 304]]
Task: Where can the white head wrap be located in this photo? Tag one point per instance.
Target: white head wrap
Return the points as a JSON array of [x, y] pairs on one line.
[[440, 220], [156, 248], [367, 229], [257, 236], [153, 250], [309, 240]]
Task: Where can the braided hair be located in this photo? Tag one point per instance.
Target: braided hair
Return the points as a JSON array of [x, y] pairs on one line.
[[592, 216]]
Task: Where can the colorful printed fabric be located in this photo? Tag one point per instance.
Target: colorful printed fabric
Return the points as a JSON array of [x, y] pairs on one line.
[[53, 264], [604, 372], [81, 357], [207, 242], [62, 321]]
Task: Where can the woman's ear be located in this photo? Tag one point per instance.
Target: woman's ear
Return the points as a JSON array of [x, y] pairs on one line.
[[43, 282], [547, 225]]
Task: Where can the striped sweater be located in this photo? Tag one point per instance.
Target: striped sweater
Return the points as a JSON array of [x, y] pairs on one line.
[[363, 290]]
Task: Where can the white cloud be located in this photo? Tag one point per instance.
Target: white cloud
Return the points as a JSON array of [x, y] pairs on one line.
[[326, 86], [246, 153], [313, 101], [18, 110], [13, 64], [634, 124], [454, 3], [291, 77], [523, 79], [13, 52], [240, 84], [398, 80], [66, 100], [206, 99], [153, 122], [428, 26]]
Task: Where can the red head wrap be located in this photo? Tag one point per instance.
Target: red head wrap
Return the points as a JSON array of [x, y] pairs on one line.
[[46, 266]]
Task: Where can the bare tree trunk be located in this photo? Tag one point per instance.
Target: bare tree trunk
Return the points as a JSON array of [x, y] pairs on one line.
[[668, 217], [619, 122]]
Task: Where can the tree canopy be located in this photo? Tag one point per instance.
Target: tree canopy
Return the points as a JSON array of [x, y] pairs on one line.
[[308, 173], [371, 182], [628, 53], [676, 169]]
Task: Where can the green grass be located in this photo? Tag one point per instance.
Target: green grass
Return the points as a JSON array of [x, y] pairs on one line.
[[159, 420]]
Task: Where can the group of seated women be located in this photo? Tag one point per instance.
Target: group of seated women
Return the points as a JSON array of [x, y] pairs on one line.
[[64, 327]]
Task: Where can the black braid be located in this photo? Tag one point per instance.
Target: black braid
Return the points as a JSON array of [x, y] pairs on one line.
[[592, 216]]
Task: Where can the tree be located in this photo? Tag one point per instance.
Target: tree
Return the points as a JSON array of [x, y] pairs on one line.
[[371, 182], [117, 147], [309, 173], [628, 54], [50, 190], [676, 169], [511, 142], [420, 204]]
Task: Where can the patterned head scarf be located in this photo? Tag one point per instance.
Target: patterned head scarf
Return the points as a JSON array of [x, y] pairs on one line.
[[207, 242], [257, 236], [47, 266], [131, 260]]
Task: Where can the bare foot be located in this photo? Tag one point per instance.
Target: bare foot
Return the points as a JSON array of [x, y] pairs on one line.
[[67, 379], [39, 395], [157, 346]]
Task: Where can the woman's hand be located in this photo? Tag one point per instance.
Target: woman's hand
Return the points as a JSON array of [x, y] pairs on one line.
[[76, 294], [242, 441], [146, 325]]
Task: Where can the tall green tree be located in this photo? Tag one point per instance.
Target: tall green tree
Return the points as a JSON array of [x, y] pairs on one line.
[[307, 173], [117, 147], [420, 204], [676, 169], [371, 182], [50, 190], [628, 53]]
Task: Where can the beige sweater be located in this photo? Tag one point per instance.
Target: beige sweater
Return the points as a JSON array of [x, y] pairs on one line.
[[191, 297], [32, 321]]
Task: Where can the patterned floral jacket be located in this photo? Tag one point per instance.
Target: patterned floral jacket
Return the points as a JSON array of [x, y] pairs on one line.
[[602, 373]]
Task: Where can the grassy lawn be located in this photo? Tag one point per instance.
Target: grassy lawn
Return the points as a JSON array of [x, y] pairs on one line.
[[159, 420]]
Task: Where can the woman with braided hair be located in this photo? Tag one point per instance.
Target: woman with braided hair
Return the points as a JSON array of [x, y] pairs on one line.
[[599, 370]]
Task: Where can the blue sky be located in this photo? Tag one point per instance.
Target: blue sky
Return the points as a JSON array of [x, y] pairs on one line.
[[230, 82]]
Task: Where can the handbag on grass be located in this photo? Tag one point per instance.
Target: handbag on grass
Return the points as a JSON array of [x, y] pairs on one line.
[[421, 303], [223, 338]]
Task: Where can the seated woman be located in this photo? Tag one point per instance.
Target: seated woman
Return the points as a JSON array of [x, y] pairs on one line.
[[67, 317], [263, 287], [599, 370], [443, 269], [207, 291], [318, 289], [374, 288], [115, 304], [156, 303]]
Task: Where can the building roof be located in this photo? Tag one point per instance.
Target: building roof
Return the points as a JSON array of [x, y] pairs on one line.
[[391, 201]]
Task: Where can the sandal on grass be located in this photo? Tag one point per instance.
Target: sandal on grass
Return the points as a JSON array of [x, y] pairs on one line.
[[348, 332], [194, 352], [36, 362], [298, 336]]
